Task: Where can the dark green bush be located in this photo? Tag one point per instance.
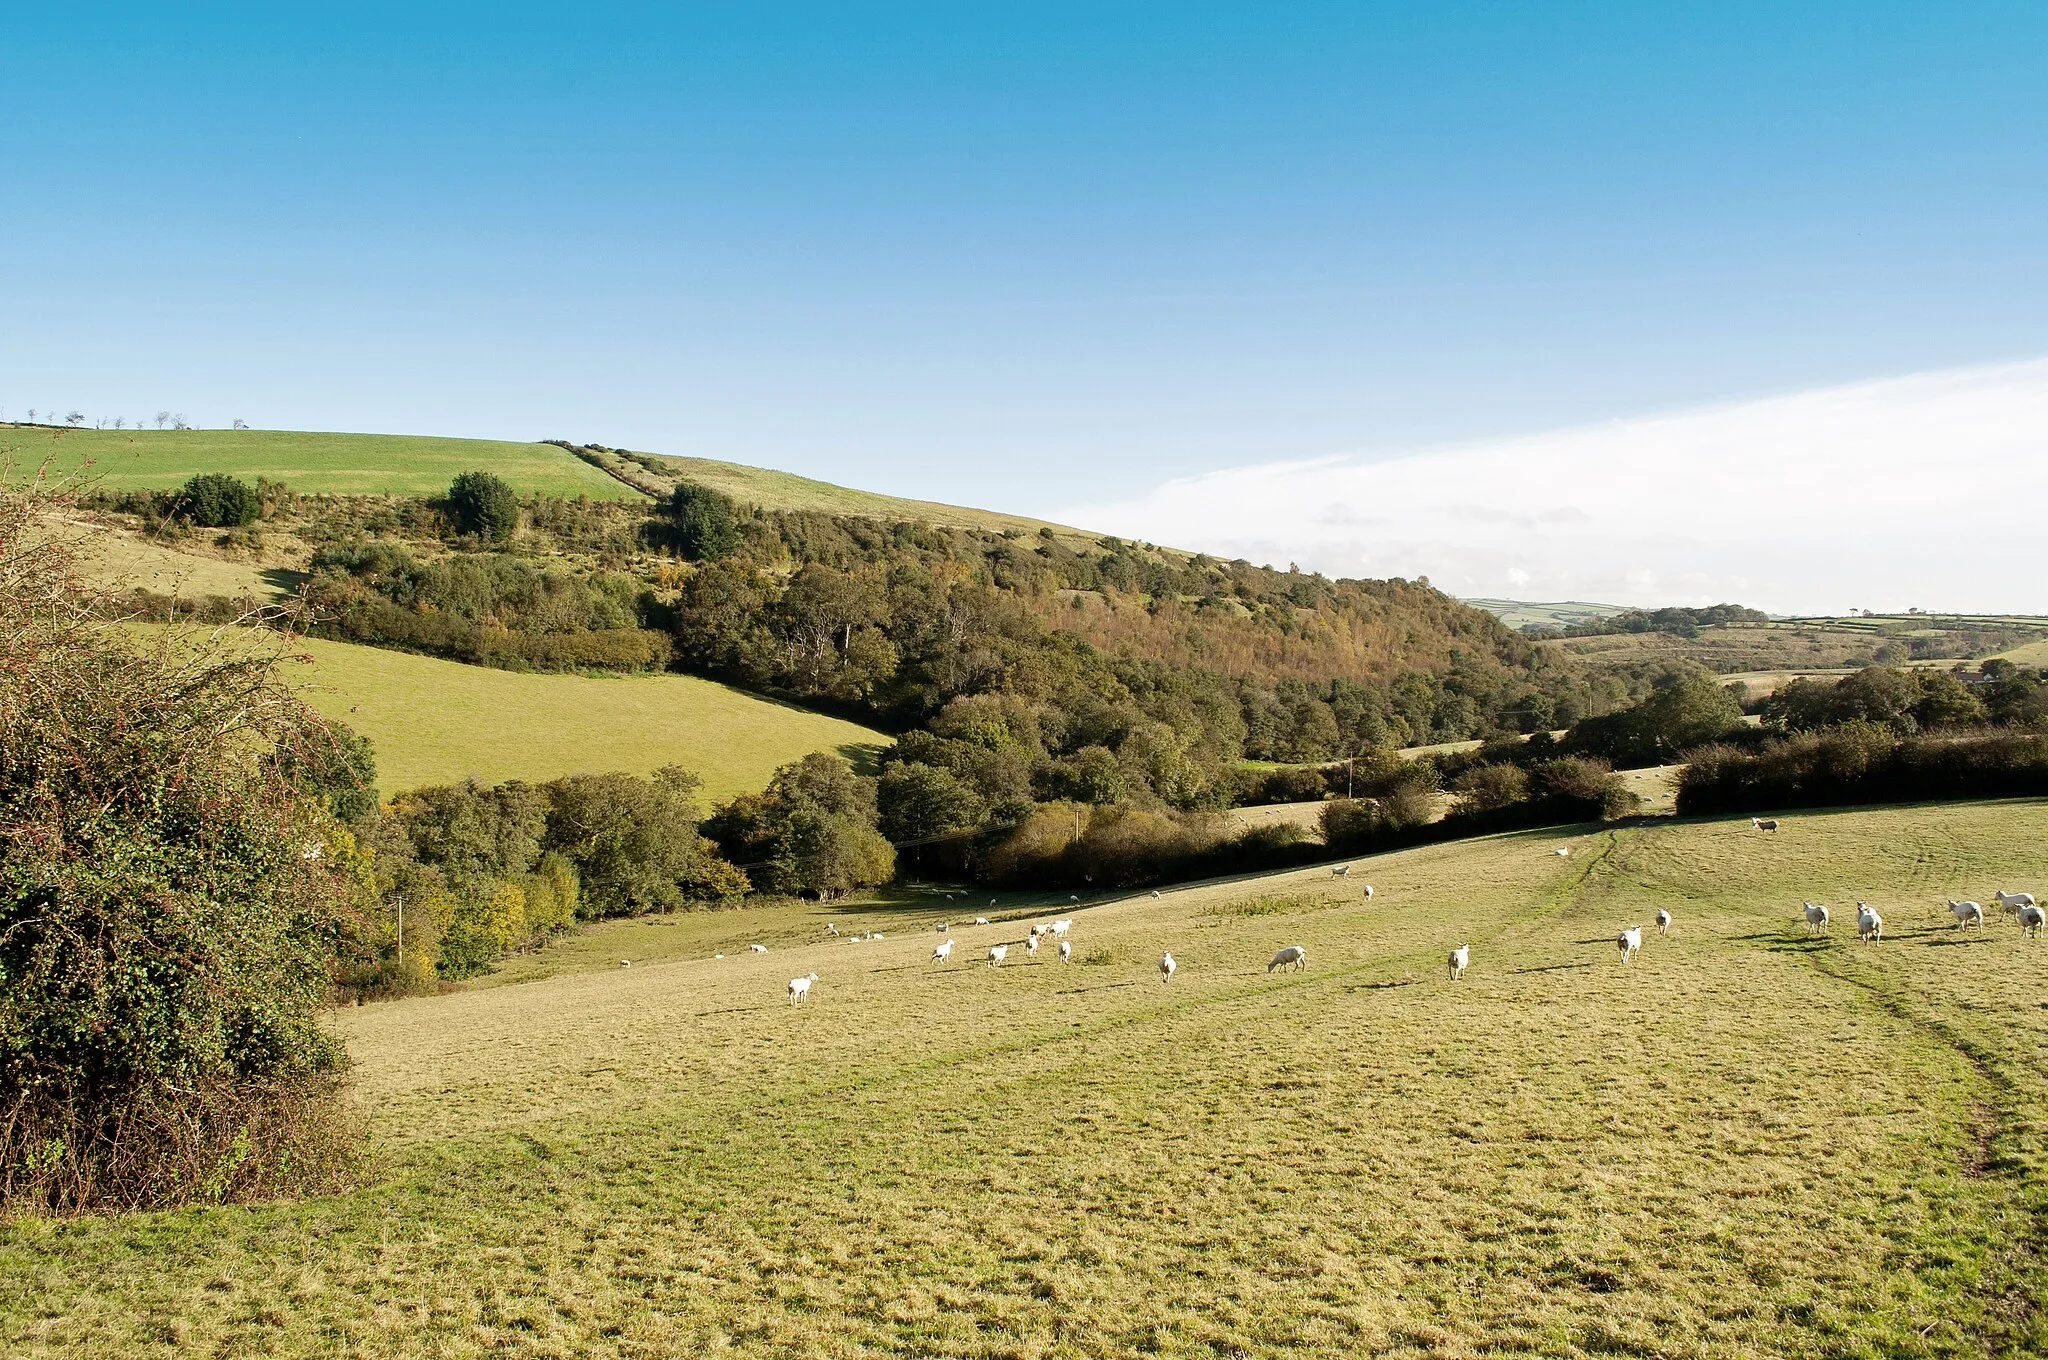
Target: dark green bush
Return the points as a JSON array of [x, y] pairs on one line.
[[484, 505], [218, 501], [704, 523]]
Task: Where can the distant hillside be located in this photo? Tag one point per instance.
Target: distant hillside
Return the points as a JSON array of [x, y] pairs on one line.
[[771, 490], [335, 464], [1519, 614], [435, 722]]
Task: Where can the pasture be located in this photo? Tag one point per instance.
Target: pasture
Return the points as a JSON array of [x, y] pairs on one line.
[[306, 461], [1750, 1142], [435, 722]]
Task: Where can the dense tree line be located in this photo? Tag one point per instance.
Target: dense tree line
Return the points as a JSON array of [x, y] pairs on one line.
[[1676, 619]]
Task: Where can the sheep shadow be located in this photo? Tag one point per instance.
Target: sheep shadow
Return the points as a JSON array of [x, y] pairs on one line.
[[732, 1010], [1383, 986], [1105, 987], [1554, 967]]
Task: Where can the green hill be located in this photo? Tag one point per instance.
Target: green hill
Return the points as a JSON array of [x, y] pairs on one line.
[[433, 722], [338, 464]]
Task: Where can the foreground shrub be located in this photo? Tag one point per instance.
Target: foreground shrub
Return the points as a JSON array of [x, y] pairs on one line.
[[172, 892]]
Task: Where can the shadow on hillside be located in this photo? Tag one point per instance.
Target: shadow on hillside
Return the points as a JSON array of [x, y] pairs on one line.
[[283, 580], [1554, 967]]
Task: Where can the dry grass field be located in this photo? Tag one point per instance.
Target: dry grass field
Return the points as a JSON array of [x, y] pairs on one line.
[[1751, 1143]]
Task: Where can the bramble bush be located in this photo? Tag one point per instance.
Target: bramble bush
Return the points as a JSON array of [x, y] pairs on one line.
[[173, 892]]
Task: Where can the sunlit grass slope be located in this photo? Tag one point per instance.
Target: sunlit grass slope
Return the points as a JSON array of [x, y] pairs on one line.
[[434, 721], [346, 464], [1752, 1143]]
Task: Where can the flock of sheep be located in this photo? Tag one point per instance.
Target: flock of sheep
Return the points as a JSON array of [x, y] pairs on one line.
[[1869, 928], [1870, 924]]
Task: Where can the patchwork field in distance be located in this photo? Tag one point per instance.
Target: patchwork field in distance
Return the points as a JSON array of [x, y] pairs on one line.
[[307, 461], [434, 722], [1752, 1142]]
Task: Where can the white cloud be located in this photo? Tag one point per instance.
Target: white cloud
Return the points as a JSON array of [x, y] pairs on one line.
[[1924, 491]]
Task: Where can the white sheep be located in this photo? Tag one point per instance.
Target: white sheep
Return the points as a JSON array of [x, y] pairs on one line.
[[1562, 851], [1066, 950], [1816, 917], [1764, 823], [1293, 954], [996, 954], [1368, 892], [1341, 871], [1062, 927], [2013, 901], [1461, 959], [625, 963], [800, 988], [1869, 925], [982, 920], [1663, 921], [1631, 942], [1966, 912], [1031, 946], [945, 928], [943, 953], [1166, 967], [876, 935], [2031, 920], [757, 948], [1074, 899], [1155, 892], [831, 929]]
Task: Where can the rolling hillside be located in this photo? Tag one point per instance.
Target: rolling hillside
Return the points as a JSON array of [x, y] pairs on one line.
[[434, 722], [339, 464], [1751, 1142]]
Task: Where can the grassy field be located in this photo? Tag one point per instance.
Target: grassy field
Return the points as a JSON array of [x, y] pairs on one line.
[[1751, 1143], [342, 464], [434, 722], [772, 490], [1521, 613]]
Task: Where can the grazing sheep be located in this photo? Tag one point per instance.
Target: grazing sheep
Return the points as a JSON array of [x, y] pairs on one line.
[[1074, 899], [1663, 921], [1341, 871], [945, 928], [2031, 920], [1764, 823], [944, 952], [1461, 958], [1155, 892], [876, 935], [758, 948], [1631, 942], [1031, 946], [1166, 967], [2012, 902], [718, 956], [1966, 912], [1293, 954], [1368, 892], [831, 929], [625, 963], [1869, 925], [996, 954], [982, 920], [800, 988], [1562, 851], [1062, 927], [1816, 916], [1066, 950]]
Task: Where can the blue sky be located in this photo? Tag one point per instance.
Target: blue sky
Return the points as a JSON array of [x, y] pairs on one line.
[[1036, 256]]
